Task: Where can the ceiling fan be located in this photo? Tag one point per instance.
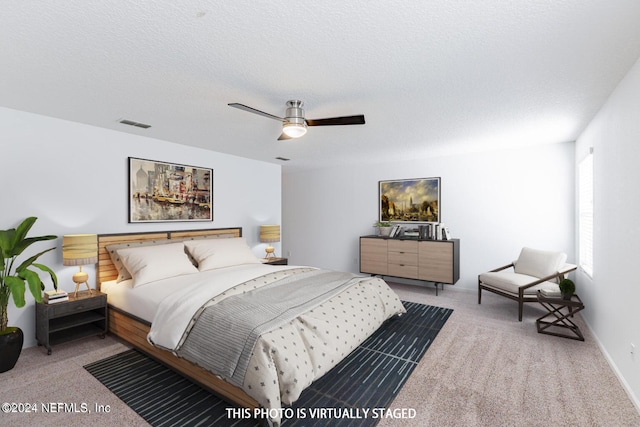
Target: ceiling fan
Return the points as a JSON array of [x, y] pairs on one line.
[[294, 125]]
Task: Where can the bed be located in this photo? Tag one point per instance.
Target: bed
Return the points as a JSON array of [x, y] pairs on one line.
[[227, 320]]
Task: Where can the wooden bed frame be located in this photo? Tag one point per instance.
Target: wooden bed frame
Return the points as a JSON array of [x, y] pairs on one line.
[[134, 330]]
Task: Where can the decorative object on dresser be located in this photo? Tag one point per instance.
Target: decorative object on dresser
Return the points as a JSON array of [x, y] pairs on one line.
[[14, 279], [411, 258], [533, 271], [80, 249], [270, 234], [163, 192], [409, 200], [384, 228], [83, 315]]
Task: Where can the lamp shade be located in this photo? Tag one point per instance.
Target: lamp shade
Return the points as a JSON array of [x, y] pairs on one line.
[[269, 233], [79, 249]]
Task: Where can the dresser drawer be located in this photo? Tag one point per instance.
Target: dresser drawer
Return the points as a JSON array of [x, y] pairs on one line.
[[402, 270], [403, 246], [403, 258]]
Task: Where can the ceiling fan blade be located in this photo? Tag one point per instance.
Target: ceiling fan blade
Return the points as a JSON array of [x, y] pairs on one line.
[[254, 111], [284, 136], [335, 121]]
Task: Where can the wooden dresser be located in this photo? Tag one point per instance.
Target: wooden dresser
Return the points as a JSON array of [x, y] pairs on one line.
[[436, 261]]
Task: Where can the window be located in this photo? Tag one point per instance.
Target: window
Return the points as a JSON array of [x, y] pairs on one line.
[[585, 214]]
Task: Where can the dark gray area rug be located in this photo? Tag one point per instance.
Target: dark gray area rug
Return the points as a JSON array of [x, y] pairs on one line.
[[354, 393]]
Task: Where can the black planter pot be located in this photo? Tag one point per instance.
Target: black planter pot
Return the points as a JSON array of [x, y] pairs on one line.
[[10, 348]]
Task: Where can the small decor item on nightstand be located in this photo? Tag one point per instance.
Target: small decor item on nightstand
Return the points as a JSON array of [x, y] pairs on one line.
[[52, 297], [270, 234], [567, 288], [80, 249]]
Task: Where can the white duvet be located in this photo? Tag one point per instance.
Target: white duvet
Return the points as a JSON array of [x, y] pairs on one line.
[[174, 313], [287, 360]]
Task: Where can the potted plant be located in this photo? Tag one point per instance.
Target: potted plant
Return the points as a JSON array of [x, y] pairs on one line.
[[14, 279], [567, 288], [384, 227]]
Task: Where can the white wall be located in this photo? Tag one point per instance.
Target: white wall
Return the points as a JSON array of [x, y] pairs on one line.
[[612, 297], [73, 177], [495, 202]]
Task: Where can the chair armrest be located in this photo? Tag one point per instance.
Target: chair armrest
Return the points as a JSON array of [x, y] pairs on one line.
[[504, 267], [567, 268]]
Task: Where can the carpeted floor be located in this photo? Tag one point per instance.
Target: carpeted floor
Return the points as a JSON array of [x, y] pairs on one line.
[[484, 369]]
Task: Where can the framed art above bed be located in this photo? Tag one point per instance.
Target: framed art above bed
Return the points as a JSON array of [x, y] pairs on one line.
[[169, 192], [409, 200]]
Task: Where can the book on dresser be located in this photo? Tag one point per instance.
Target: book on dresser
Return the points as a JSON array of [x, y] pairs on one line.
[[52, 297]]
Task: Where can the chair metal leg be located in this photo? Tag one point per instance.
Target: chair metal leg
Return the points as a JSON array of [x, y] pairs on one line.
[[520, 306]]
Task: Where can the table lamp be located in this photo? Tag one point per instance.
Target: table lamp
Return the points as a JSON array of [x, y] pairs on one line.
[[80, 249], [270, 234]]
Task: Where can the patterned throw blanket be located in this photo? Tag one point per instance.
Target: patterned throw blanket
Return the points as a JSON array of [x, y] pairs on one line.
[[222, 336]]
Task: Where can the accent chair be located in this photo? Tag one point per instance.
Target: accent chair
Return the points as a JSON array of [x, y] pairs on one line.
[[533, 270]]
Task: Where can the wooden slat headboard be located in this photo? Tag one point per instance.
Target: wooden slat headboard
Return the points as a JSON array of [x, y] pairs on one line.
[[106, 270]]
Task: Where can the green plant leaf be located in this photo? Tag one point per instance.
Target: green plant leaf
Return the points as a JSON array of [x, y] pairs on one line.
[[6, 239], [24, 244], [26, 263], [46, 269], [13, 281], [16, 288], [35, 284], [23, 230]]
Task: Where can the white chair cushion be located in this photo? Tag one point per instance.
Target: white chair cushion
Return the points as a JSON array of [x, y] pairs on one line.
[[511, 282], [539, 264]]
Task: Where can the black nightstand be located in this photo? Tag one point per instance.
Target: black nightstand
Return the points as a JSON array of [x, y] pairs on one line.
[[277, 261], [81, 316]]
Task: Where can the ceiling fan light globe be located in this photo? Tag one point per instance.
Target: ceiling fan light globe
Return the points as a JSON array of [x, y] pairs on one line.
[[294, 130]]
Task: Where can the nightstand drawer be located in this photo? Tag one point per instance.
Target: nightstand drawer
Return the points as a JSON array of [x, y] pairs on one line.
[[66, 308]]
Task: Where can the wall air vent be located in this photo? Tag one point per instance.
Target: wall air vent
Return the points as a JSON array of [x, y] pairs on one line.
[[136, 124]]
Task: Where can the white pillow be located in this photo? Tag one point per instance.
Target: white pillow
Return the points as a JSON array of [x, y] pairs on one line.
[[150, 263], [123, 274], [220, 253], [537, 263]]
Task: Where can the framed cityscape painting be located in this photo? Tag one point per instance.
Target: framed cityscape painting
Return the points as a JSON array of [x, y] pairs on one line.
[[410, 200], [167, 192]]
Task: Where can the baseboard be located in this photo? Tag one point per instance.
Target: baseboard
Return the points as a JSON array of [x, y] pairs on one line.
[[614, 368]]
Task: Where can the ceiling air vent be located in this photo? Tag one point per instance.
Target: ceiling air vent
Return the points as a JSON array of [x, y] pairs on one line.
[[136, 124]]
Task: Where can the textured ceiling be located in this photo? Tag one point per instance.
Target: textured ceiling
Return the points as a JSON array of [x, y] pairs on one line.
[[431, 77]]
